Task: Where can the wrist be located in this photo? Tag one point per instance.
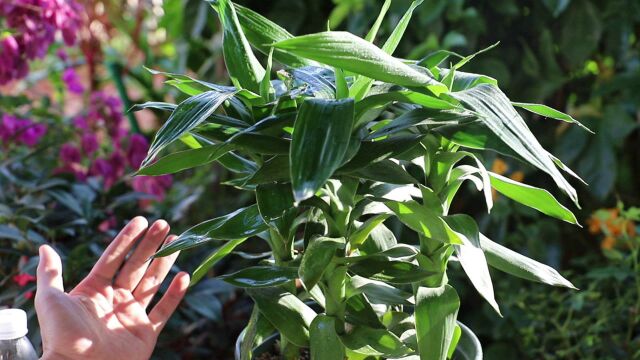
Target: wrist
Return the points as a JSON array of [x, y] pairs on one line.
[[52, 355]]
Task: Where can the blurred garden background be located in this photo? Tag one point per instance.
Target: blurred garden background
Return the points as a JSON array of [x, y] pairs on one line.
[[70, 70]]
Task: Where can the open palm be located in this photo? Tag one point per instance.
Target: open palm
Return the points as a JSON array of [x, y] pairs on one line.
[[105, 316]]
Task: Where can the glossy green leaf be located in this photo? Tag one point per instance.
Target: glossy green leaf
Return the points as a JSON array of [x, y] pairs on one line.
[[286, 312], [241, 223], [374, 342], [424, 220], [261, 276], [185, 159], [533, 197], [153, 105], [435, 317], [403, 96], [547, 111], [390, 271], [351, 53], [421, 116], [319, 143], [401, 252], [187, 115], [317, 257], [213, 258], [495, 110], [511, 262], [273, 170], [325, 342], [273, 200], [243, 67], [472, 257]]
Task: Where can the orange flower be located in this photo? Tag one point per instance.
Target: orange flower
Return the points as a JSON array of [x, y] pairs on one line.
[[499, 166], [630, 227], [594, 225], [517, 176], [608, 243]]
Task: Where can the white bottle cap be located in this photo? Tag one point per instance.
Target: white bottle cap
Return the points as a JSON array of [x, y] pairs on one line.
[[13, 324]]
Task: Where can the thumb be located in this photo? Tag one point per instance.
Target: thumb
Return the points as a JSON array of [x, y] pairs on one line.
[[49, 270]]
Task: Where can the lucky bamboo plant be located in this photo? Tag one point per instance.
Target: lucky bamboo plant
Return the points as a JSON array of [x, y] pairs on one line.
[[343, 140]]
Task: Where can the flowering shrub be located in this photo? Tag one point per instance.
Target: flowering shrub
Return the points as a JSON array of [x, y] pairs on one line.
[[16, 131], [31, 28]]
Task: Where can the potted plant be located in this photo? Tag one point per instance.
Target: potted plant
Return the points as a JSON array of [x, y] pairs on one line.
[[346, 139]]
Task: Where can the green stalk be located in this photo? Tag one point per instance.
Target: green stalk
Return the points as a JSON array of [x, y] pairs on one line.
[[116, 74]]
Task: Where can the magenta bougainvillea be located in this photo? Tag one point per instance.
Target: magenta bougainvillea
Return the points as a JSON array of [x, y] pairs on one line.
[[103, 147], [14, 130], [31, 27]]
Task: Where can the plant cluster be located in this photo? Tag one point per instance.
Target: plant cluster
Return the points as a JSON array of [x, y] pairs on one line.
[[347, 141]]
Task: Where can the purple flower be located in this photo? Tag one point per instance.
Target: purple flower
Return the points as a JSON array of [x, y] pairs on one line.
[[31, 133], [89, 143], [138, 147], [72, 80], [8, 127], [80, 122], [103, 168], [70, 154]]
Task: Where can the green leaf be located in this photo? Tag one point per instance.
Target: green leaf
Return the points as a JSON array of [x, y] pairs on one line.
[[286, 312], [521, 266], [213, 258], [261, 276], [424, 220], [325, 342], [319, 142], [385, 171], [273, 200], [316, 258], [379, 292], [374, 342], [273, 170], [371, 35], [472, 257], [185, 159], [374, 151], [421, 116], [153, 105], [267, 92], [390, 271], [533, 197], [187, 115], [243, 67], [361, 234], [351, 53], [468, 58], [547, 111], [239, 224], [261, 32], [495, 110], [435, 317], [361, 87]]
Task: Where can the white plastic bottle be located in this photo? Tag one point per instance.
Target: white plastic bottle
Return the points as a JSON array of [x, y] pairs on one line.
[[14, 344]]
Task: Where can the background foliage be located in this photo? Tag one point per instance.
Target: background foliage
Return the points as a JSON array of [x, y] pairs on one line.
[[582, 57]]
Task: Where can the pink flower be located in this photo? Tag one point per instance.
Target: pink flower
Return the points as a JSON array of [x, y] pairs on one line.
[[70, 154], [108, 224], [28, 295], [72, 80], [152, 185], [138, 147], [80, 122], [102, 167], [23, 279], [89, 143]]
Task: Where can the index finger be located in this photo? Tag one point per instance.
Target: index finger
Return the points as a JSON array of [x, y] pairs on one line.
[[112, 258]]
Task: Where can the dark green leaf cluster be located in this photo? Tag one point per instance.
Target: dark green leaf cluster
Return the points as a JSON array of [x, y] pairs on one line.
[[346, 137]]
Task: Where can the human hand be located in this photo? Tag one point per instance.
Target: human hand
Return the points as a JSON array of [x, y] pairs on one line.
[[105, 316]]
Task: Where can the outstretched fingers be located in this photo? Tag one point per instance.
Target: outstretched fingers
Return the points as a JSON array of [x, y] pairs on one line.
[[137, 264], [49, 270], [161, 313], [155, 275], [112, 258]]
